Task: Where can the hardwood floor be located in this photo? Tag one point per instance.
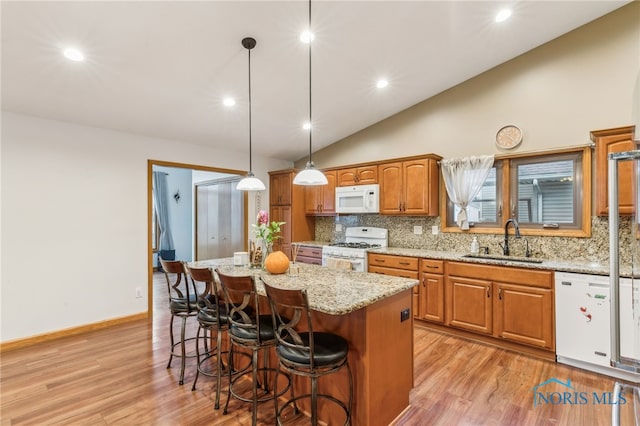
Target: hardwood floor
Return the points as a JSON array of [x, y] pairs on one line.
[[118, 376]]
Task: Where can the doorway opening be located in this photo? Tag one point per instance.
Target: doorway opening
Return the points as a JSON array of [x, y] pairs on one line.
[[190, 189]]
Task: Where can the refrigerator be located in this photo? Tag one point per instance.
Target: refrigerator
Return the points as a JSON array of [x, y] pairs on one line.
[[628, 361]]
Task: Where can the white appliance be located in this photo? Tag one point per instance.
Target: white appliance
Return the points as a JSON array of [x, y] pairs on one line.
[[628, 362], [358, 199], [358, 241], [583, 323]]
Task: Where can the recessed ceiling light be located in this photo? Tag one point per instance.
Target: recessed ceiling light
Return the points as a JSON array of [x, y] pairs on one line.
[[503, 15], [229, 102], [73, 54], [307, 36], [306, 126], [382, 83]]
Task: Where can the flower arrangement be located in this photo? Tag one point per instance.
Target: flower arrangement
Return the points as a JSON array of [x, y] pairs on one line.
[[265, 230]]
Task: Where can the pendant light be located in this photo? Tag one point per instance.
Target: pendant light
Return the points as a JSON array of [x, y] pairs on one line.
[[250, 182], [310, 175]]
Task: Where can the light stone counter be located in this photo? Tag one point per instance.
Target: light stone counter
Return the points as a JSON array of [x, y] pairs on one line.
[[330, 291], [553, 265]]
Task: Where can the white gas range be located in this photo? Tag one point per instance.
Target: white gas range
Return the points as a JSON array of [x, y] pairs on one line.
[[358, 240]]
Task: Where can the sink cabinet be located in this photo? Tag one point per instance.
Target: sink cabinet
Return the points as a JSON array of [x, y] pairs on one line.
[[469, 304], [512, 304], [429, 295]]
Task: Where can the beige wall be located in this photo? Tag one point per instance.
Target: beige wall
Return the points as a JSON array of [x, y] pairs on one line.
[[586, 80]]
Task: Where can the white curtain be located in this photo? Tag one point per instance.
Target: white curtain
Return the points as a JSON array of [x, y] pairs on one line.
[[463, 178], [161, 199]]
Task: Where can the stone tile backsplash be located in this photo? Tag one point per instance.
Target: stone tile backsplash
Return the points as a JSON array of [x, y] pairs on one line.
[[594, 249]]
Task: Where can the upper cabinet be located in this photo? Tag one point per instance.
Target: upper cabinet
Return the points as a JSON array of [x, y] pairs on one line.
[[321, 200], [280, 187], [364, 175], [409, 187], [607, 141], [288, 205]]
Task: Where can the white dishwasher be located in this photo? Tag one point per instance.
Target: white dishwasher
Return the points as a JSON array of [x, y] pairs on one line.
[[583, 323]]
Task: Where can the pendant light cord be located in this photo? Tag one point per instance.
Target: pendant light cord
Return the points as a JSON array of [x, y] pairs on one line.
[[250, 164], [310, 123]]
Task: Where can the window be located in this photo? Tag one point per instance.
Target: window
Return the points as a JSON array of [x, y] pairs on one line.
[[483, 210], [544, 192]]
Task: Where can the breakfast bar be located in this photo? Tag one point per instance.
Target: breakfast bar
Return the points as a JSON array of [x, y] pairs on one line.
[[372, 312]]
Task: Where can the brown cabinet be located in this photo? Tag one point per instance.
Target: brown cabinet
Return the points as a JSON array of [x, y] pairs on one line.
[[397, 266], [409, 187], [469, 304], [358, 175], [524, 314], [287, 205], [608, 141], [280, 188], [512, 304], [309, 254], [321, 200], [430, 292]]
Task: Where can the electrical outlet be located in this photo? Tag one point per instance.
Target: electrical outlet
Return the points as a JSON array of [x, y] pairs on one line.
[[417, 230], [338, 227], [404, 315], [138, 292], [434, 230]]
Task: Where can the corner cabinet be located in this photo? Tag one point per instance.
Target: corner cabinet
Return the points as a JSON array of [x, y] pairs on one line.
[[321, 200], [607, 141], [409, 187], [288, 205]]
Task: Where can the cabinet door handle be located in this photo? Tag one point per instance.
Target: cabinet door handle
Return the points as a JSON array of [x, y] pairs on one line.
[[489, 291], [424, 282], [404, 263], [379, 260], [500, 293], [431, 267]]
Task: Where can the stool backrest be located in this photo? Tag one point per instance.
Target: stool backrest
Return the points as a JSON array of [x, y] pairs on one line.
[[241, 299], [178, 287], [209, 298], [290, 312]]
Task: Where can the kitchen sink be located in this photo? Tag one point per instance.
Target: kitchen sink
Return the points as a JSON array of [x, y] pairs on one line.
[[503, 258]]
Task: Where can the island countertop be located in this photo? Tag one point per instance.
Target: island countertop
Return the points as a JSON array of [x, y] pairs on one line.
[[331, 291]]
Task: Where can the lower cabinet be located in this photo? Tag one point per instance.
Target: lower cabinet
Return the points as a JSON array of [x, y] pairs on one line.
[[512, 304], [469, 304], [398, 266], [309, 254], [524, 314], [430, 292]]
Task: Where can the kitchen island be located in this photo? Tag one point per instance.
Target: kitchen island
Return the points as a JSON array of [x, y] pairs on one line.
[[373, 313]]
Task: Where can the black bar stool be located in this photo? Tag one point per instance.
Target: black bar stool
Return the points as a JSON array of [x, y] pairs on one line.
[[309, 354], [250, 331], [183, 303], [212, 321]]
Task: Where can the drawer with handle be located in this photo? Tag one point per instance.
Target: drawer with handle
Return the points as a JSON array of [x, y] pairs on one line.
[[431, 266], [391, 261]]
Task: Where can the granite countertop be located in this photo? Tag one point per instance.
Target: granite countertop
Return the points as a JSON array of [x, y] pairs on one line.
[[330, 291], [576, 266]]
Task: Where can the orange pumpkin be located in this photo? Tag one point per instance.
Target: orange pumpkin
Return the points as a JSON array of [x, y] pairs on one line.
[[277, 262]]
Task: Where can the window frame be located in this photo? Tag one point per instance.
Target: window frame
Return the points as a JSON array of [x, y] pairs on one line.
[[504, 195]]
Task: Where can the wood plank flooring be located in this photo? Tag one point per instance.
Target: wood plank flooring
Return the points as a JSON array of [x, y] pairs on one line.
[[117, 376]]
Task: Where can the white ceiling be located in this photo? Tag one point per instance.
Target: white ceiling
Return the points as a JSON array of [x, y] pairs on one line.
[[162, 68]]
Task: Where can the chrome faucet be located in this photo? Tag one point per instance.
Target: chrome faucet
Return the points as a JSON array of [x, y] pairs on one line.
[[505, 247]]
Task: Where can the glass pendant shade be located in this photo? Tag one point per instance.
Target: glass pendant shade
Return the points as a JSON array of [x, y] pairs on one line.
[[250, 183], [310, 176]]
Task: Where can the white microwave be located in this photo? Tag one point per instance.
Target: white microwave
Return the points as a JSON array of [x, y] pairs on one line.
[[358, 199]]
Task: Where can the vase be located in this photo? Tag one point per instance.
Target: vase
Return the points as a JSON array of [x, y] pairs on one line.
[[267, 249]]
